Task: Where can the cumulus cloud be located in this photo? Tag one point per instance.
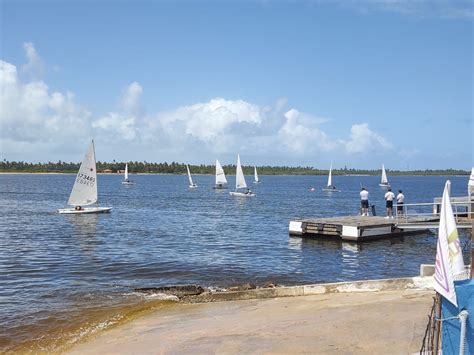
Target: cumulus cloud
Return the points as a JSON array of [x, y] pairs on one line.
[[363, 140], [123, 125], [34, 66], [30, 112], [300, 134], [459, 9], [131, 97], [33, 114]]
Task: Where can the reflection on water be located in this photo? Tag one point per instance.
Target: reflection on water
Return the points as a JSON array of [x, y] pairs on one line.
[[63, 269], [85, 231]]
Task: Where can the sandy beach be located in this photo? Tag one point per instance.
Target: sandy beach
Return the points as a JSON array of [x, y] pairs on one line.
[[343, 323]]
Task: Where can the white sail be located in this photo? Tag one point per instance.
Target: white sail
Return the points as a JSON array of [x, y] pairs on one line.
[[330, 176], [84, 191], [239, 176], [220, 176], [189, 176], [126, 172], [384, 180], [255, 174]]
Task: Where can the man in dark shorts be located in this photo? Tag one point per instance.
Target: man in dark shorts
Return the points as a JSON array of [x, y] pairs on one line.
[[364, 202], [400, 201], [389, 196]]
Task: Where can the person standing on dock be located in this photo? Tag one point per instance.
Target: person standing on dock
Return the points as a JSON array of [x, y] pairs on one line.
[[400, 201], [364, 202], [389, 196]]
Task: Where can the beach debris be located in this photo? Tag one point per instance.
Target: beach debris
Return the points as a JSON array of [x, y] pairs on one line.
[[176, 290], [243, 287]]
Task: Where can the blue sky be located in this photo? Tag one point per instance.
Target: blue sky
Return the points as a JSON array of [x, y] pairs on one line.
[[359, 83]]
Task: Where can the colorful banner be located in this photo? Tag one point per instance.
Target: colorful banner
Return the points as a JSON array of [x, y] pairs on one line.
[[449, 263]]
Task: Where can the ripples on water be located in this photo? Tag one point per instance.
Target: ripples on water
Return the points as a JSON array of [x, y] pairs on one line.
[[62, 277]]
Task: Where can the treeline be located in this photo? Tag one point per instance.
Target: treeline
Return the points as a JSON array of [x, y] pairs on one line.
[[179, 168]]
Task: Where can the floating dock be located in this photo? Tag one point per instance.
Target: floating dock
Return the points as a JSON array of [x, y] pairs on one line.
[[354, 228]]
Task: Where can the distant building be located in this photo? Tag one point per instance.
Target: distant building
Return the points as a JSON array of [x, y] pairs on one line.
[[107, 171]]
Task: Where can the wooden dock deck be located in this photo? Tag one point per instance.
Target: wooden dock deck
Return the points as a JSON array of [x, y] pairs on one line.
[[353, 228]]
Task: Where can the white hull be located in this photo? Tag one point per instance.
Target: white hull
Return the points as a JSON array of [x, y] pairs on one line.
[[219, 187], [257, 182], [385, 185], [128, 183], [84, 210], [241, 194], [193, 186], [331, 190]]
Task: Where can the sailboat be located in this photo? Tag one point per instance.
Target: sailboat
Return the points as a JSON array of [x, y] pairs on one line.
[[191, 185], [84, 191], [221, 181], [240, 182], [256, 180], [330, 187], [384, 182], [126, 181]]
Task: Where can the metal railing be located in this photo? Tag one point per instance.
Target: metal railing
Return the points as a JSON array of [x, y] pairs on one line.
[[428, 210]]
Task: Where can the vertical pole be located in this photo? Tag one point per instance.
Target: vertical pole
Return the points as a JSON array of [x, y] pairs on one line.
[[472, 250], [437, 329]]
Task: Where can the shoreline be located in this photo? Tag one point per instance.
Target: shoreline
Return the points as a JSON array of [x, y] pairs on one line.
[[356, 317], [229, 174]]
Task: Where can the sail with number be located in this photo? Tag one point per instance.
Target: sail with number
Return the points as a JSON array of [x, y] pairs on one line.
[[84, 191], [220, 175], [239, 176]]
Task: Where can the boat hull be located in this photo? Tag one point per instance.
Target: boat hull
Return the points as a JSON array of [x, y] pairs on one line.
[[219, 187], [385, 185], [193, 186], [84, 210], [331, 190], [128, 183], [241, 194]]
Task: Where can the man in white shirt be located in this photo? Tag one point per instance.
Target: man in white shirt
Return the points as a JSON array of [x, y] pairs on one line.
[[364, 202], [400, 201], [389, 196]]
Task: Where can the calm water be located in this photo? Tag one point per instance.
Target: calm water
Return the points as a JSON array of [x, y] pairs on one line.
[[64, 277]]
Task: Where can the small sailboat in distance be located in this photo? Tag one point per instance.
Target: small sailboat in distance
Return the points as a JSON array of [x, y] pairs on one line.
[[221, 181], [126, 181], [192, 184], [240, 182], [84, 191], [256, 180], [330, 187], [384, 181]]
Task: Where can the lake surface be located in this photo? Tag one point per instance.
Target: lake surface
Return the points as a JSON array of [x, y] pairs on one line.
[[65, 277]]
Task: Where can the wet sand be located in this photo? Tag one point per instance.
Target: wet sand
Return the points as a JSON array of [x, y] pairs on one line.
[[344, 323]]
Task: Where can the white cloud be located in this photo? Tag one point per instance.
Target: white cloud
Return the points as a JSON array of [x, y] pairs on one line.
[[217, 126], [123, 125], [131, 97], [32, 115], [459, 9], [115, 127], [34, 66], [363, 140], [299, 134], [30, 112]]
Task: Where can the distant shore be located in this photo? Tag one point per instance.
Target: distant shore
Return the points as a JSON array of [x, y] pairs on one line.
[[228, 174]]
